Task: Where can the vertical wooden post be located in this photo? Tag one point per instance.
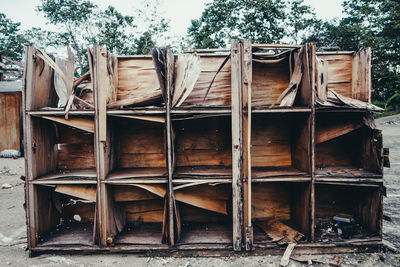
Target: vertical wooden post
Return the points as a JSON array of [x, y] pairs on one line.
[[27, 89], [246, 58], [237, 203], [311, 51], [99, 67], [169, 58]]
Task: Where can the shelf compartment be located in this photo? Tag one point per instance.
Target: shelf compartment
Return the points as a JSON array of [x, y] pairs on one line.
[[204, 214], [65, 215], [203, 147], [272, 75], [62, 151], [137, 213], [363, 203], [347, 146], [283, 203], [280, 146], [137, 149]]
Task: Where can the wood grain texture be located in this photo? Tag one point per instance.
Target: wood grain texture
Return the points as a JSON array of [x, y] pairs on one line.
[[139, 144], [237, 145], [220, 91], [85, 124], [144, 211], [270, 201], [270, 142], [87, 192], [43, 93], [203, 142], [339, 73], [137, 81], [269, 81], [10, 120], [361, 79]]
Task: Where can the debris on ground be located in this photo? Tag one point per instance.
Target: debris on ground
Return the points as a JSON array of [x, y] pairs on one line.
[[10, 153], [6, 186]]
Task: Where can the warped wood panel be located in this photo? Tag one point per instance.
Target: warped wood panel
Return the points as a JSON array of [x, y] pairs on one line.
[[79, 123], [43, 94], [219, 93], [137, 78], [87, 192], [132, 193], [10, 123]]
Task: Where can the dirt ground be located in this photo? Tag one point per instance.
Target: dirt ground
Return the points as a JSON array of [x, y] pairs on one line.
[[13, 230]]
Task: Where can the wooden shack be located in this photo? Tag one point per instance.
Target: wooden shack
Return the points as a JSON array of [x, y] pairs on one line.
[[10, 115], [249, 148]]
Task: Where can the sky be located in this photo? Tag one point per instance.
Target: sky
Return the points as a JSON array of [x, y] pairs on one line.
[[179, 12]]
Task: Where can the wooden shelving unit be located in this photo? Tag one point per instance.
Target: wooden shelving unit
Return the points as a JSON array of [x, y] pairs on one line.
[[241, 154]]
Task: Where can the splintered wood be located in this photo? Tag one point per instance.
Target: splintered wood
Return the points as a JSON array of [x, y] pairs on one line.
[[280, 232], [252, 147]]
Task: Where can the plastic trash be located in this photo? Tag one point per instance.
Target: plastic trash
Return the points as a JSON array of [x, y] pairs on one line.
[[10, 153]]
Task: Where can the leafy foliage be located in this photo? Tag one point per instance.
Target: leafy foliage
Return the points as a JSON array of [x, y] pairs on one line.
[[11, 40], [263, 21], [369, 23]]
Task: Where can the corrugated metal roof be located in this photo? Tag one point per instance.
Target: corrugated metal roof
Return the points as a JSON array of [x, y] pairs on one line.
[[11, 86]]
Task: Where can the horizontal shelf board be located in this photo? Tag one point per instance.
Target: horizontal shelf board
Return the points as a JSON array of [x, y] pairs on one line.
[[342, 183], [277, 172], [63, 181], [345, 172], [84, 176], [138, 111], [202, 110], [280, 110], [131, 173], [350, 180], [282, 179], [203, 172], [341, 109], [128, 181], [61, 113]]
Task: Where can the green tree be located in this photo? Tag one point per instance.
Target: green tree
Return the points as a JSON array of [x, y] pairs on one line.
[[369, 23], [262, 21], [12, 40], [115, 31], [300, 20], [73, 19]]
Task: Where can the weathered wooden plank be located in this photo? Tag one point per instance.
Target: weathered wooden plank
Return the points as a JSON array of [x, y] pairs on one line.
[[10, 122], [247, 171], [79, 123], [87, 192], [237, 145]]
